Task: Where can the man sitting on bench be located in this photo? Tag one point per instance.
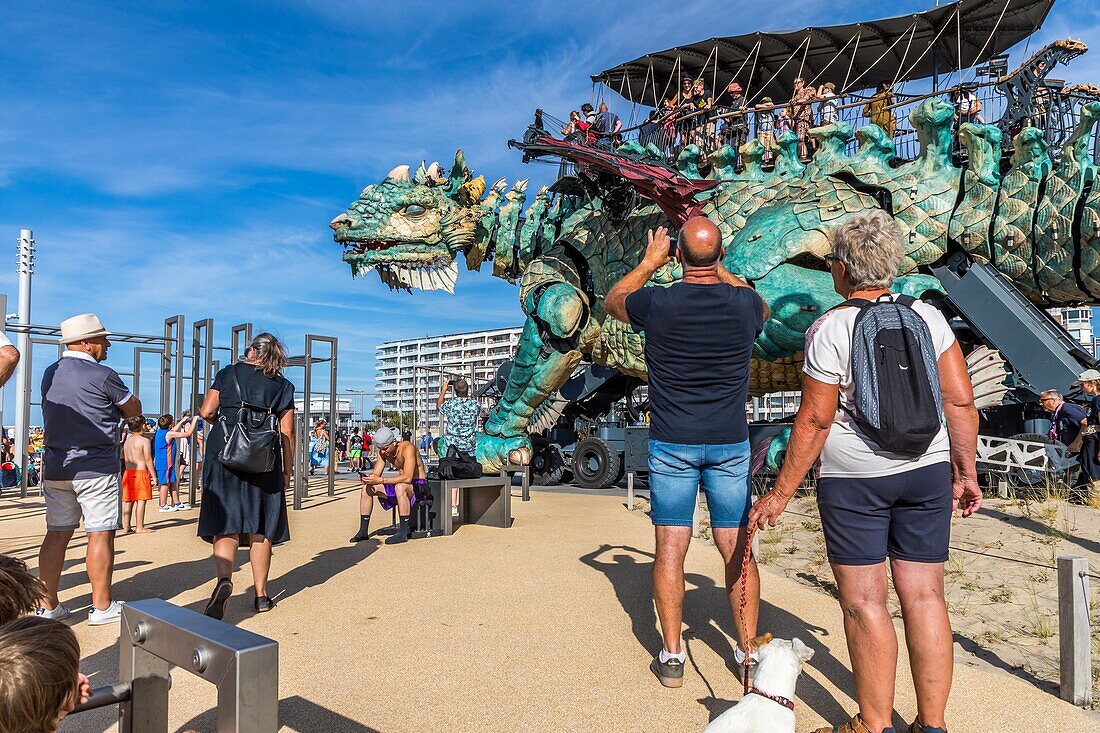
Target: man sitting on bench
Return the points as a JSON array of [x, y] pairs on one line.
[[391, 491]]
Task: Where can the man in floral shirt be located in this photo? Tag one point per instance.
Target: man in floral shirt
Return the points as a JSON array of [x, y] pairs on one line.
[[461, 413]]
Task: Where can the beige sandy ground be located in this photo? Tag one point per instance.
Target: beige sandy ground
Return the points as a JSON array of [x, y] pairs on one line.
[[547, 626]]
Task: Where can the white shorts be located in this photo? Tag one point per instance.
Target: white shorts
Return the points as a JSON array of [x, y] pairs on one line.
[[97, 500]]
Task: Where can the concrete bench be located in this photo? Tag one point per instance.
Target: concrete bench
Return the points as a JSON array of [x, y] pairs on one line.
[[486, 501]]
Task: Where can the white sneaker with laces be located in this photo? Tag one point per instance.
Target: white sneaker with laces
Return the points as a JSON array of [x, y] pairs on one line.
[[165, 508], [108, 615], [182, 506], [57, 613]]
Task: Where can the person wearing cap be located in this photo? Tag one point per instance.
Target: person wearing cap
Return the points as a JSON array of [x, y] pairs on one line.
[[399, 490], [1089, 382], [82, 404], [829, 109]]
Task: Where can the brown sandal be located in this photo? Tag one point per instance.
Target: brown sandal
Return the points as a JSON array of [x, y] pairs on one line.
[[855, 725]]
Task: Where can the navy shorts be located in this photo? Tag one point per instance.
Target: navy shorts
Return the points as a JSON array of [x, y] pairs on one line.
[[906, 516], [677, 470]]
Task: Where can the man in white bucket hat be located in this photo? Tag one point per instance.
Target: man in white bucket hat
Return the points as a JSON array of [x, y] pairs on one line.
[[82, 404]]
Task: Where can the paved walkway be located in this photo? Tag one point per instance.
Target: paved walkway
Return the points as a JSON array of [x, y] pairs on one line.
[[544, 627]]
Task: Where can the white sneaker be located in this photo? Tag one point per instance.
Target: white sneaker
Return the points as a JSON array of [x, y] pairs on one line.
[[108, 615], [182, 506], [58, 613], [165, 508]]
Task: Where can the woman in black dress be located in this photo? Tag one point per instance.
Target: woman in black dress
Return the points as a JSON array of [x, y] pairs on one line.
[[246, 509]]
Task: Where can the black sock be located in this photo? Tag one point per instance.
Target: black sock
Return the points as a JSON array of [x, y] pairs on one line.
[[364, 523], [402, 533]]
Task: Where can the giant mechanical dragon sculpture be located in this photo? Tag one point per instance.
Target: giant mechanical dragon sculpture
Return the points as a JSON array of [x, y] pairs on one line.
[[1037, 220]]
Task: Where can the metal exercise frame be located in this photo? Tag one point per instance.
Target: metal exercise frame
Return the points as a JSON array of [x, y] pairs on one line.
[[202, 355], [157, 636], [301, 462], [39, 335], [235, 348]]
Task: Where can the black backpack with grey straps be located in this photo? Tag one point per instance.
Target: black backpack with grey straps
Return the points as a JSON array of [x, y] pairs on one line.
[[896, 376]]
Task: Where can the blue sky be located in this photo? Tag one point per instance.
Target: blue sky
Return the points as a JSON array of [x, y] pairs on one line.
[[186, 157]]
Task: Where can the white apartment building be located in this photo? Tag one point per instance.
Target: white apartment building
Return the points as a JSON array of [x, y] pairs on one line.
[[408, 373], [1078, 322]]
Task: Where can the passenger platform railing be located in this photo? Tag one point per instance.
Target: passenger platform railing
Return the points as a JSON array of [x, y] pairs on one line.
[[1056, 111], [156, 636]]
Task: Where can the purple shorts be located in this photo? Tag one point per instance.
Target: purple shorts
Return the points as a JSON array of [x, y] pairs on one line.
[[389, 501]]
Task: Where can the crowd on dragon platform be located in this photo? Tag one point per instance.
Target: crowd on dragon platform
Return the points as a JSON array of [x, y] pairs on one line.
[[693, 115]]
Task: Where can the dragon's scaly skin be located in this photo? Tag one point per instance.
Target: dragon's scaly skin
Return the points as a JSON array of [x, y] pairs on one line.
[[566, 255]]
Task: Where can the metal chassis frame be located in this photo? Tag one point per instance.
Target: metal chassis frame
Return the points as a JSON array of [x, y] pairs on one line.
[[157, 635], [301, 476]]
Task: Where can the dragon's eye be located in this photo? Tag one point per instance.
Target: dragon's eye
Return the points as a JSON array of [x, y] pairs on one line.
[[414, 210]]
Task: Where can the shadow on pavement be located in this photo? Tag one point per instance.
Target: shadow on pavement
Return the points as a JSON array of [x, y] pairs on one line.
[[296, 713], [708, 619], [1040, 528]]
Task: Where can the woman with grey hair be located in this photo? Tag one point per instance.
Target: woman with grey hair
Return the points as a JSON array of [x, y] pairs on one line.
[[241, 509], [877, 505]]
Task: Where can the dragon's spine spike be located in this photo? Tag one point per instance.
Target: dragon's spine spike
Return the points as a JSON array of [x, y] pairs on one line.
[[400, 174], [421, 175]]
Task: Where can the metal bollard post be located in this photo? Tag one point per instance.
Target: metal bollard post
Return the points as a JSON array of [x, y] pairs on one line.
[[1002, 489], [630, 491], [1074, 643]]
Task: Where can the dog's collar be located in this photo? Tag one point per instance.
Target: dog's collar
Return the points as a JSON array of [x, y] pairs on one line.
[[789, 704]]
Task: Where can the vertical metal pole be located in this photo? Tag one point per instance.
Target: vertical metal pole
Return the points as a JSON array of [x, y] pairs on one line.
[[173, 328], [1074, 643], [330, 472], [307, 411], [201, 377], [25, 268], [630, 491]]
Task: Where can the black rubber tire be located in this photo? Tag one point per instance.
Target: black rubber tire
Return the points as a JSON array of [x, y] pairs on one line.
[[547, 466], [595, 464]]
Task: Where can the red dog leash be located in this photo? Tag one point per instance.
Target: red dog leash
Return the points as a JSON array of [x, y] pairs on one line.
[[744, 602]]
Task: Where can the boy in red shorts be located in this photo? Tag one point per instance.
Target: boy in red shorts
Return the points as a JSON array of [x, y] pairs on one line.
[[137, 487]]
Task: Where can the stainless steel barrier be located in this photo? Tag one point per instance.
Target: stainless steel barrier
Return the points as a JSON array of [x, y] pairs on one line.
[[157, 636]]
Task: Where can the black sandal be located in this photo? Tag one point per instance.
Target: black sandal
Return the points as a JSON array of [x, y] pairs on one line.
[[215, 608], [263, 604]]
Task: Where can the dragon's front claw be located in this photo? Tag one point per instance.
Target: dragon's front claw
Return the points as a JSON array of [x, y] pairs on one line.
[[494, 451]]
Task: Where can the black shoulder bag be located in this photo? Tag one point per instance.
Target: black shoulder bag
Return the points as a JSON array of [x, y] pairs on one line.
[[252, 444]]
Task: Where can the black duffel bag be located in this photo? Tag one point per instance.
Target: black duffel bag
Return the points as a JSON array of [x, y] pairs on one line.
[[458, 464]]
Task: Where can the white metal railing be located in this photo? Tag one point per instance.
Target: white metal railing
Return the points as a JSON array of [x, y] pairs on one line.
[[1004, 454]]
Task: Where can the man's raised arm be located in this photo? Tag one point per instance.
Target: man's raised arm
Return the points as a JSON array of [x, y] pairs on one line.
[[656, 255]]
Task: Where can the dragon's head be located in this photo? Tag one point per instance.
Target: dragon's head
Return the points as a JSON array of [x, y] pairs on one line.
[[411, 229]]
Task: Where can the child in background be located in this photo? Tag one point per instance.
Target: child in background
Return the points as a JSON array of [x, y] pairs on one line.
[[137, 484]]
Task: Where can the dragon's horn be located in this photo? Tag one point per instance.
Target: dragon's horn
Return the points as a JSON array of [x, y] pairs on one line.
[[421, 175], [500, 185], [520, 186], [400, 173], [435, 176], [460, 173], [470, 192]]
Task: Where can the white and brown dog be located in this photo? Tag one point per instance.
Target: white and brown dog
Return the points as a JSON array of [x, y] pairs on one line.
[[769, 706]]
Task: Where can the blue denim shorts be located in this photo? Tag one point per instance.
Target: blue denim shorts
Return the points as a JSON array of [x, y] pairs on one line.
[[676, 472]]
